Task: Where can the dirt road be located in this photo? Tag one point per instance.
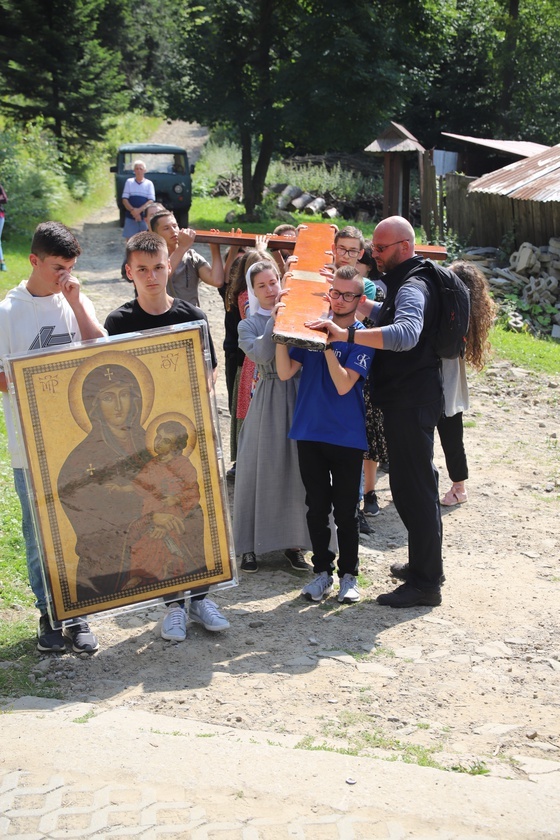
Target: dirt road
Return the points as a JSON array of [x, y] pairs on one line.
[[471, 685]]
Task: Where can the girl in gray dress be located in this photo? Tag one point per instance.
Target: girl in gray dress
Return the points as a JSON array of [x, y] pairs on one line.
[[269, 502]]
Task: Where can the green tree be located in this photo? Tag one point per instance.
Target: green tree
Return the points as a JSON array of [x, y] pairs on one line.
[[493, 74], [285, 74], [141, 32], [54, 68]]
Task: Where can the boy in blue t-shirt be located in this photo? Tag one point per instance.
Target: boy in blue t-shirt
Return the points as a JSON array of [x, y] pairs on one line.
[[329, 427]]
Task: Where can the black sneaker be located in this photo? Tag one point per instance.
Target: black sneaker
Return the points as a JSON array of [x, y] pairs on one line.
[[406, 595], [49, 639], [249, 562], [230, 474], [297, 560], [83, 640], [364, 527], [400, 571], [370, 504]]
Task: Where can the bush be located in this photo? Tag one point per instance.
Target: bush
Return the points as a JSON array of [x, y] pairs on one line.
[[33, 176], [319, 179], [218, 160]]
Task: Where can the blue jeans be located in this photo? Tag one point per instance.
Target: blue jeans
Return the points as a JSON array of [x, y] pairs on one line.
[[31, 546]]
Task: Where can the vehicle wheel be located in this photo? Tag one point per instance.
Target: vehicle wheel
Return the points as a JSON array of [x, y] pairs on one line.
[[182, 217], [122, 212]]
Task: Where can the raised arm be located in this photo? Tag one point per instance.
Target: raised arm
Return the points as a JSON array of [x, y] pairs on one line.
[[213, 274], [82, 308]]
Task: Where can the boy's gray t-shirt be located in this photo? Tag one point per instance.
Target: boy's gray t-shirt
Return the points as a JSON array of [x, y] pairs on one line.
[[184, 281]]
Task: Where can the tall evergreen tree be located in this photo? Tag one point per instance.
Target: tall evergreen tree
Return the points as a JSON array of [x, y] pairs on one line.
[[54, 67]]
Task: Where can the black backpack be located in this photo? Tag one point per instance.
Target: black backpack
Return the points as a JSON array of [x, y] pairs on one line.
[[454, 309]]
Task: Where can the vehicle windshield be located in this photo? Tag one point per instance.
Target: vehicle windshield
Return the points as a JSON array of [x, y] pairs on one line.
[[161, 163]]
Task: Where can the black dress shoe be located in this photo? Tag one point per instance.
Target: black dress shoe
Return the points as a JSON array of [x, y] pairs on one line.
[[408, 596]]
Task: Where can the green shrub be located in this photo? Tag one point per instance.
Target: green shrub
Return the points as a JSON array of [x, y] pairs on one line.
[[218, 160], [342, 183], [33, 177]]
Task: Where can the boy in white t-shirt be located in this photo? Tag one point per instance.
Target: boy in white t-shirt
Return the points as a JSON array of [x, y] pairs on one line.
[[46, 310]]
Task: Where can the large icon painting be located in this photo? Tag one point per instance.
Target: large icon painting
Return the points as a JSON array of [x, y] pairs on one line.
[[121, 442]]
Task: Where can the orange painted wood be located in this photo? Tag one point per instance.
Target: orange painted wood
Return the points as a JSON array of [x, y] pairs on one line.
[[305, 301], [247, 240]]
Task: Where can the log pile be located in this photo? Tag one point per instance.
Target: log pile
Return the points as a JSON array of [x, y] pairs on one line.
[[533, 275], [293, 199]]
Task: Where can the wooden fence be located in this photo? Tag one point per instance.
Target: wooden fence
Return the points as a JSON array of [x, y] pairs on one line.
[[486, 218]]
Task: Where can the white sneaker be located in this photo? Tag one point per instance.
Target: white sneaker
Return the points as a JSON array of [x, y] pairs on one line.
[[174, 625], [349, 592], [319, 588], [206, 612]]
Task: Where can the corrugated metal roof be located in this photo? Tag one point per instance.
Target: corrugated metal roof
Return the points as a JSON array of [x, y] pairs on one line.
[[519, 148], [395, 138], [534, 179]]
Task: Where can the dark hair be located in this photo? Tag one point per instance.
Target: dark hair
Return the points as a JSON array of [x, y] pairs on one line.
[[368, 260], [282, 230], [348, 272], [367, 256], [350, 232], [157, 217], [145, 242], [53, 239], [238, 284]]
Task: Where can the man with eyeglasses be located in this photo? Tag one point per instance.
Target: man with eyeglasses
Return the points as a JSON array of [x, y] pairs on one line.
[[329, 427], [406, 386]]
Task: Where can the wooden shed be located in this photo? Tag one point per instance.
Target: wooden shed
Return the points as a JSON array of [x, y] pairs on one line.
[[521, 199], [398, 146]]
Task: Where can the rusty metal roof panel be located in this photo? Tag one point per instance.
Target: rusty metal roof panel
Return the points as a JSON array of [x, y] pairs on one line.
[[534, 179], [519, 148]]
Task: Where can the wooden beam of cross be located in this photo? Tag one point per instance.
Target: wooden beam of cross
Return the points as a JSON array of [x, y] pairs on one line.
[[285, 243]]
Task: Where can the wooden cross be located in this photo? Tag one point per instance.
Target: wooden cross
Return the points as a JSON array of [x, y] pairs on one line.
[[313, 248], [288, 243]]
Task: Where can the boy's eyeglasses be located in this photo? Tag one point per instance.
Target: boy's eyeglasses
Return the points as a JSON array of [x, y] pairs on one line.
[[352, 252], [334, 294]]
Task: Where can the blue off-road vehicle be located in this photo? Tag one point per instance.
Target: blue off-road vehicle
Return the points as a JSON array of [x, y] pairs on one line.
[[167, 167]]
